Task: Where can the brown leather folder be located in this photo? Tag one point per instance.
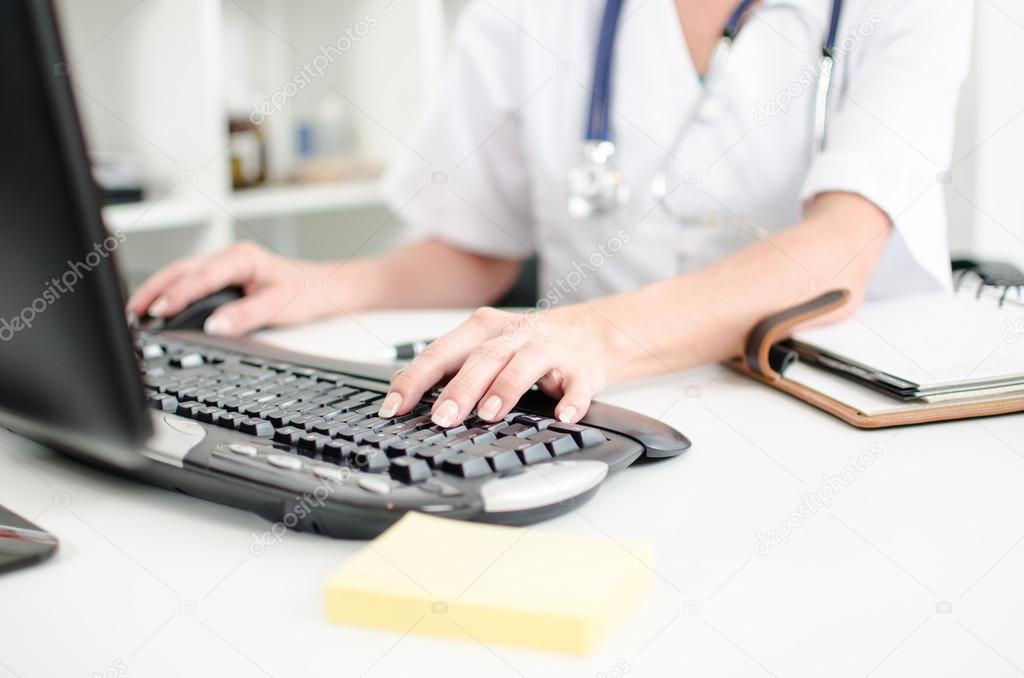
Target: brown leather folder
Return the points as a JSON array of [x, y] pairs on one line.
[[755, 363]]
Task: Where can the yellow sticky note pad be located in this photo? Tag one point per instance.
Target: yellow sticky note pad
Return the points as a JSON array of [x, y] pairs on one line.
[[492, 584]]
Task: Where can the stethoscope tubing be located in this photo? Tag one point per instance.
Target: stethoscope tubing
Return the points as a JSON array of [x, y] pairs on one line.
[[598, 115], [599, 196]]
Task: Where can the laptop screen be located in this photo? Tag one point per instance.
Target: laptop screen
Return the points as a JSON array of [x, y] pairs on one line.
[[68, 375]]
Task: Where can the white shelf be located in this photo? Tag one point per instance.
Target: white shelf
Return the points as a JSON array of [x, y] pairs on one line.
[[284, 201], [151, 216], [142, 94], [265, 202]]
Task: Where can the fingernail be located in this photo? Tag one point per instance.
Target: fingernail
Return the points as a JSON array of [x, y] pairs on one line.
[[217, 325], [158, 308], [445, 413], [390, 405], [568, 415], [490, 407]]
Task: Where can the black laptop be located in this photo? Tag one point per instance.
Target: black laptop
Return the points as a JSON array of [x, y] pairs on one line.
[[235, 422]]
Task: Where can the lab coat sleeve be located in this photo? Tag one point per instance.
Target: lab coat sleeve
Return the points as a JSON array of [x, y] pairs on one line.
[[462, 177], [890, 133]]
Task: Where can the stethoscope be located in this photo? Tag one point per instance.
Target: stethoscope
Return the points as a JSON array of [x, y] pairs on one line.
[[595, 186]]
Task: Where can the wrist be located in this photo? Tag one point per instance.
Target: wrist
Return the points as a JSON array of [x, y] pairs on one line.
[[353, 286], [612, 348], [623, 354]]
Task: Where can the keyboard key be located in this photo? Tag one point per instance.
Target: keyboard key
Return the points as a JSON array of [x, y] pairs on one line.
[[411, 419], [426, 436], [399, 447], [364, 396], [188, 408], [466, 465], [337, 451], [379, 439], [375, 485], [455, 444], [479, 435], [452, 431], [285, 461], [230, 420], [289, 435], [256, 427], [499, 458], [334, 473], [243, 449], [583, 435], [557, 443], [311, 443], [409, 469], [257, 409], [162, 401], [404, 427], [434, 454], [437, 486], [162, 384], [373, 423], [520, 430], [346, 431], [528, 451], [207, 414], [371, 459], [538, 422], [280, 417], [495, 426], [326, 399], [307, 421], [327, 428], [187, 360], [209, 396]]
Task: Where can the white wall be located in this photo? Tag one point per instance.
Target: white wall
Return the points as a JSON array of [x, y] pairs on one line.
[[986, 197]]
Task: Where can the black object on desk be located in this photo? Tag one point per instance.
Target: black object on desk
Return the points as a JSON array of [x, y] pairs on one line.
[[21, 542], [990, 274]]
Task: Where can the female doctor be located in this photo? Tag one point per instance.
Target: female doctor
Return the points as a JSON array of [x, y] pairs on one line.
[[675, 185]]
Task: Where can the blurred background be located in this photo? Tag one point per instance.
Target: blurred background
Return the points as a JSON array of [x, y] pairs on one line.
[[270, 120]]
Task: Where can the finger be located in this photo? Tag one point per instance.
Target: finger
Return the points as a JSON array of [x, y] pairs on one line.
[[471, 381], [146, 293], [525, 368], [576, 400], [230, 267], [551, 383], [441, 358], [245, 315]]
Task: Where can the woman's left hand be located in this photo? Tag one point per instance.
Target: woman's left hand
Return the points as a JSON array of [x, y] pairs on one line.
[[496, 356]]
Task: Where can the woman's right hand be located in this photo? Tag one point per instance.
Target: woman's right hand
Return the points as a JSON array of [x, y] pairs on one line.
[[278, 291]]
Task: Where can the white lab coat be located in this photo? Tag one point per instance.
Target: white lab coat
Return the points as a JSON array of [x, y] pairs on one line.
[[486, 170]]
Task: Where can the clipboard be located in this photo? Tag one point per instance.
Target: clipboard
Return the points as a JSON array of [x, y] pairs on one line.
[[764, 361]]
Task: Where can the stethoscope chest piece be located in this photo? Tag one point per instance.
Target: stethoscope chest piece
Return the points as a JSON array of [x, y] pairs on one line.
[[595, 183]]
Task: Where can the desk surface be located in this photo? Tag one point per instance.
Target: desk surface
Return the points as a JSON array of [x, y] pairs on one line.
[[785, 543]]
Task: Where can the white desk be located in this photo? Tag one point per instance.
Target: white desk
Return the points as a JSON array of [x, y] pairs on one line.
[[914, 567]]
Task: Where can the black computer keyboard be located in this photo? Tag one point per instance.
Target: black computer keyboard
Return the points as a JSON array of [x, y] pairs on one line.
[[271, 421]]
